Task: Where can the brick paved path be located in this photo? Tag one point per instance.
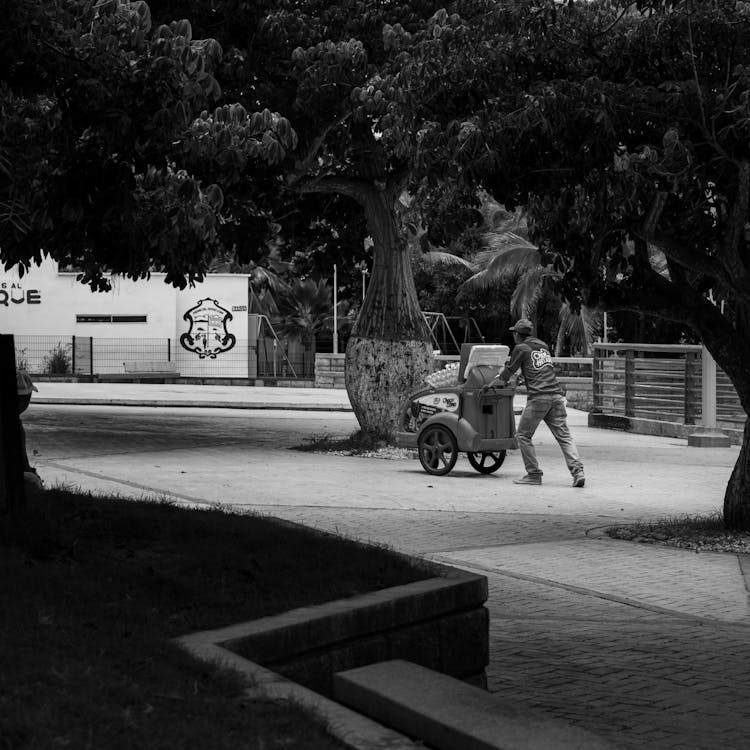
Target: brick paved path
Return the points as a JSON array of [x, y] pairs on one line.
[[652, 655], [647, 645]]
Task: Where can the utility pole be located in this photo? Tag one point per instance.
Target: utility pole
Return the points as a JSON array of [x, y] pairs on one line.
[[335, 311]]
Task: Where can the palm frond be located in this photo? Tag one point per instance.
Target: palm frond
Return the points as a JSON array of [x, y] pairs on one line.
[[512, 258], [497, 240], [264, 278], [443, 257], [498, 219], [580, 328], [529, 290]]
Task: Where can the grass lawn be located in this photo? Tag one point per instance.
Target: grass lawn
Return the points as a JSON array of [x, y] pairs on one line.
[[92, 589]]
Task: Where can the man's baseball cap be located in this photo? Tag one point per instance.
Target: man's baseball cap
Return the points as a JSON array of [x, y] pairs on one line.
[[524, 325]]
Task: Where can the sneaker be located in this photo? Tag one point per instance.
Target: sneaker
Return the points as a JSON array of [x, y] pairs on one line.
[[528, 479], [578, 479]]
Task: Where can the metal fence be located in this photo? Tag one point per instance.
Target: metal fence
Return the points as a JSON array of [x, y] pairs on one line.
[[658, 381], [88, 356]]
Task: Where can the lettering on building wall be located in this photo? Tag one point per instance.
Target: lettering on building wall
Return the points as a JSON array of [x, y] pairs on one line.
[[208, 335], [13, 293]]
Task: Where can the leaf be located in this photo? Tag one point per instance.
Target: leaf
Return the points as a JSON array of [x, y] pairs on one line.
[[445, 258]]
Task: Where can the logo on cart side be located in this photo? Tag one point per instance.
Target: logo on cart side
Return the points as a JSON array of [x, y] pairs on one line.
[[441, 401], [208, 334]]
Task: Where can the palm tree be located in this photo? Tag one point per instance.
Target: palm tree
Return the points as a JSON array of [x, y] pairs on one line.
[[507, 253], [305, 309]]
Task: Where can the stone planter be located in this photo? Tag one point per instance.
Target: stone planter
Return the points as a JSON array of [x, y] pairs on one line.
[[440, 623]]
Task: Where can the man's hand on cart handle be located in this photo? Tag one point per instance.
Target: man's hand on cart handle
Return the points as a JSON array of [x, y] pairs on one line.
[[494, 383]]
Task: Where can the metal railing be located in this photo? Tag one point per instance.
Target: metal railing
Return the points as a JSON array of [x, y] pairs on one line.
[[658, 381], [88, 356]]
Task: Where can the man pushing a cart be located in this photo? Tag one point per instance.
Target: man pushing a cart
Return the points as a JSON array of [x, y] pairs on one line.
[[544, 402]]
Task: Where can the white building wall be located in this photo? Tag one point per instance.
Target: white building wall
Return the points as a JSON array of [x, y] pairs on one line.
[[45, 309], [52, 301]]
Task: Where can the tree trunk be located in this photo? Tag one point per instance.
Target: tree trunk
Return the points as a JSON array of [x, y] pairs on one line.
[[737, 495], [389, 352], [731, 350]]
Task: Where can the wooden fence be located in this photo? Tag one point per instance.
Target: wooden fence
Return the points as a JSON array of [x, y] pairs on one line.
[[658, 381]]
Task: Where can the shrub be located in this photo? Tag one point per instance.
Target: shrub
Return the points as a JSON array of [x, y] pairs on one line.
[[58, 361]]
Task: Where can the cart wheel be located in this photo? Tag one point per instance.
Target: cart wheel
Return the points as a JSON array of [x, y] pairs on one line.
[[486, 463], [438, 450]]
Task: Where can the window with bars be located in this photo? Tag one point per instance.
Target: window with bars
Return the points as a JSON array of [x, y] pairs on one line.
[[111, 318]]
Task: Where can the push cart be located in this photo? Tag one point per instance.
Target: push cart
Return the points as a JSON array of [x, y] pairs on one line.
[[463, 415]]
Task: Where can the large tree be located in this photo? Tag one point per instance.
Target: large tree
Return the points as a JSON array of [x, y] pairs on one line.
[[625, 130], [97, 105], [334, 70]]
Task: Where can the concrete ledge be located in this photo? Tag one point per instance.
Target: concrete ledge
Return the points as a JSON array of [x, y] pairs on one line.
[[703, 438], [643, 426], [440, 620], [448, 714]]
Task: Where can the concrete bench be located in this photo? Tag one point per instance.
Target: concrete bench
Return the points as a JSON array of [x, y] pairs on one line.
[[448, 714], [148, 366], [139, 370]]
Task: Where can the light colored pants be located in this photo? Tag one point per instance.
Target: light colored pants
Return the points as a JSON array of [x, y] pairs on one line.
[[551, 409]]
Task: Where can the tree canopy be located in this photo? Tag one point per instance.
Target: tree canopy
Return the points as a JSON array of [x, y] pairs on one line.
[[100, 110]]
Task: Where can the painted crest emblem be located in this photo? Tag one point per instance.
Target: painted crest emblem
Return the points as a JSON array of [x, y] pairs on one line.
[[208, 334]]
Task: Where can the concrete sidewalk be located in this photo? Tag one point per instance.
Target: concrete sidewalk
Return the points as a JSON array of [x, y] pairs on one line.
[[209, 396], [644, 644]]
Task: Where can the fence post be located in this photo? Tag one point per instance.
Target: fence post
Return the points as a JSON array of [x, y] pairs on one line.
[[691, 382], [708, 436], [596, 382], [629, 383], [91, 356], [12, 490]]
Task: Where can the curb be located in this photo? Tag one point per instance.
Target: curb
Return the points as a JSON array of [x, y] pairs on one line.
[[192, 404]]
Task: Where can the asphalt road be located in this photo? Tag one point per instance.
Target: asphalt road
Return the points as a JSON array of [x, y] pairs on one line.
[[72, 430]]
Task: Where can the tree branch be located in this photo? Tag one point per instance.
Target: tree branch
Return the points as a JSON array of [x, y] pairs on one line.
[[692, 261], [302, 167], [698, 89], [657, 208], [331, 184], [736, 226], [657, 296], [607, 29], [672, 248], [682, 304]]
